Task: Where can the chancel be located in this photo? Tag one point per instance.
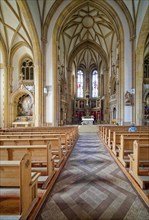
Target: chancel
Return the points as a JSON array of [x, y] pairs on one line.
[[74, 75]]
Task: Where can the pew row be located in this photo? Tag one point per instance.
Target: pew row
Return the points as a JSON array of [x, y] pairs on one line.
[[57, 148], [117, 139], [126, 147], [72, 129], [108, 132], [104, 129], [66, 141], [66, 137], [139, 164], [18, 188], [42, 160]]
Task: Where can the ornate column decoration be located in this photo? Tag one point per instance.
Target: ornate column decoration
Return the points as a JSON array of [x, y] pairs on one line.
[[117, 89]]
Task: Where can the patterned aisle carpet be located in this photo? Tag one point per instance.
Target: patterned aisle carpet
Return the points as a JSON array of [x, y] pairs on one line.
[[91, 186]]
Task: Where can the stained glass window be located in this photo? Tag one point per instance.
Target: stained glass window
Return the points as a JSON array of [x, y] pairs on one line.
[[80, 84], [27, 69], [94, 83]]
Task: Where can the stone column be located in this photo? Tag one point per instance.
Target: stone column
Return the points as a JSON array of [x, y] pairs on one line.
[[139, 91], [7, 92], [38, 95], [5, 110], [43, 81], [69, 96], [118, 112], [58, 113], [133, 40], [106, 95]]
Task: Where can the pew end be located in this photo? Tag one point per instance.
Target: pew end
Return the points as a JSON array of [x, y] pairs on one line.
[[17, 178], [139, 161]]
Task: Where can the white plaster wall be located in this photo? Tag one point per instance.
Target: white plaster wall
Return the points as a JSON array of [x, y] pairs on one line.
[[1, 98], [127, 57], [127, 114], [36, 16], [141, 13], [49, 63], [127, 47], [15, 64]]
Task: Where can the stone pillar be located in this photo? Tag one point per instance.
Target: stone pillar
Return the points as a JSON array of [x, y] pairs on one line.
[[118, 111], [5, 109], [133, 40], [106, 96], [69, 96], [7, 92], [43, 81], [58, 116], [38, 95], [139, 91]]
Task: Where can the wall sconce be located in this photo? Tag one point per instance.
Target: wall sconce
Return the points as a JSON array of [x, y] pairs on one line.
[[47, 90]]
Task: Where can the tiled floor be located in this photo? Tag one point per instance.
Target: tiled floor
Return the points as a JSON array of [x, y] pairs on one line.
[[92, 186]]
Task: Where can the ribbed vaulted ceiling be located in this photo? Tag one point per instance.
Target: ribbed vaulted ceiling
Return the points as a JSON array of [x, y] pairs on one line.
[[13, 27], [87, 24]]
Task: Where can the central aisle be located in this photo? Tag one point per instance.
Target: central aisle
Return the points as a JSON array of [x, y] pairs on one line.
[[92, 186]]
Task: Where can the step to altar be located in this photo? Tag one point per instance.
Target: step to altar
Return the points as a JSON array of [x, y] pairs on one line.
[[88, 128]]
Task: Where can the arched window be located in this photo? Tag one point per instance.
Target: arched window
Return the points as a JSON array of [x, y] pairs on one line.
[[27, 69], [94, 84], [80, 83]]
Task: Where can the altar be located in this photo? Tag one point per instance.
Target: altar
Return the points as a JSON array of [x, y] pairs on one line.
[[87, 120], [22, 123]]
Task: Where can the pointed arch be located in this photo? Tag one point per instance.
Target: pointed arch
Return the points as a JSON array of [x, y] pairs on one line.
[[37, 60]]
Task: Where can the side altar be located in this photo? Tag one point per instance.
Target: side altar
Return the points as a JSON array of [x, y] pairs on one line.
[[87, 120]]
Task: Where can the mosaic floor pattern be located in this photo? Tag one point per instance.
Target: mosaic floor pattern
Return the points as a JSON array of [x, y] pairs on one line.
[[91, 187]]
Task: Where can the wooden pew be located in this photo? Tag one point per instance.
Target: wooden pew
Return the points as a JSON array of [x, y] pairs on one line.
[[70, 139], [139, 164], [18, 192], [73, 129], [41, 159], [57, 149], [126, 147], [109, 133], [117, 138], [65, 139], [105, 131]]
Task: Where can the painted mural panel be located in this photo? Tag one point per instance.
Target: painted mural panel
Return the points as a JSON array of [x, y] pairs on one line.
[[25, 106]]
